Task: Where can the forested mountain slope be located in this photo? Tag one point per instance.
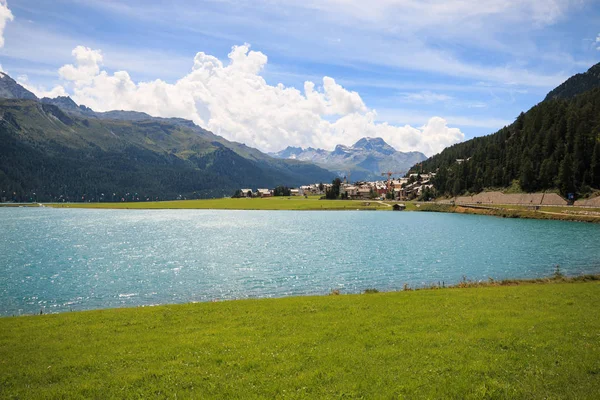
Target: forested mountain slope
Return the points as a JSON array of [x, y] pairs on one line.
[[555, 144], [577, 84], [51, 153]]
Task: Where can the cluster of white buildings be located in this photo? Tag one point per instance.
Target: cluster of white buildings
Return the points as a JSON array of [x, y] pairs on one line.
[[402, 188], [419, 184]]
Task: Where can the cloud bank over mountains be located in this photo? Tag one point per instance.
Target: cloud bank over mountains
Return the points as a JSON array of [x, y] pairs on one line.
[[476, 64], [235, 101]]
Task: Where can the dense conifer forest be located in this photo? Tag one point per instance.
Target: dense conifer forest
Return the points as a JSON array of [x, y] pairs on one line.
[[554, 145]]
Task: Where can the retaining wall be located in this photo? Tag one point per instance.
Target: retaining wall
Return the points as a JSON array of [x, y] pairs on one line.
[[546, 199], [595, 202]]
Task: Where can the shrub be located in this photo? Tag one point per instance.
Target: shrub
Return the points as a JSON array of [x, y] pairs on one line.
[[557, 274]]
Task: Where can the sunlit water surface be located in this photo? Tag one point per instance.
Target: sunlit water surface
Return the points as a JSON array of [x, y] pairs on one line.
[[75, 259]]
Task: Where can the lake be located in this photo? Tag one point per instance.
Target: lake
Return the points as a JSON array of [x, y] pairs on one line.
[[58, 260]]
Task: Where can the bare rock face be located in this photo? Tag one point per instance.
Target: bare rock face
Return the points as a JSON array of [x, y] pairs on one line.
[[10, 89]]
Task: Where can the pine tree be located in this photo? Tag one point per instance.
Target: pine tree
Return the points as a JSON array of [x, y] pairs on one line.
[[478, 184], [579, 158], [547, 173], [334, 192], [595, 167], [457, 188], [527, 177], [565, 176]]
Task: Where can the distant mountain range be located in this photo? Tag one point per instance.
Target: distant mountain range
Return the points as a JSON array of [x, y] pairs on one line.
[[367, 159], [60, 150]]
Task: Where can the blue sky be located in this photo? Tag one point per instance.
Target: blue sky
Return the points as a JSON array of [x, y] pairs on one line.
[[475, 65]]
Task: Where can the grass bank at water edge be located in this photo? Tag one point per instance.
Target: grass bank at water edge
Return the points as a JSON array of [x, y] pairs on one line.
[[268, 203], [315, 203], [525, 341], [575, 214]]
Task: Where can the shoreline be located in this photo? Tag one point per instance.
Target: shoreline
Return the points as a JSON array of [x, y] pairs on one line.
[[313, 203], [465, 283], [506, 211]]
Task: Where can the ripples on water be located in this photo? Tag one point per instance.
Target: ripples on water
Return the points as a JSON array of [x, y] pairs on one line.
[[74, 259]]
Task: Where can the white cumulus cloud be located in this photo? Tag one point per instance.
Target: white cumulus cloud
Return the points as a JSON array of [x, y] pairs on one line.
[[41, 92], [233, 100], [5, 17], [88, 65]]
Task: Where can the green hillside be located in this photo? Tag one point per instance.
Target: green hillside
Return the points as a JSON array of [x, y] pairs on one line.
[[554, 145], [49, 154]]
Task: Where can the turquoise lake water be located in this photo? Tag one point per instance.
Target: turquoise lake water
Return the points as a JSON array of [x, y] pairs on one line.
[[58, 260]]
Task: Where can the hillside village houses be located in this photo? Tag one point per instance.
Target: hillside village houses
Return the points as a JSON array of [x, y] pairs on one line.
[[405, 188]]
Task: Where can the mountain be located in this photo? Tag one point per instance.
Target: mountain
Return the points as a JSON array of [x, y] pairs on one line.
[[554, 145], [59, 150], [367, 159], [10, 89], [577, 84], [67, 104]]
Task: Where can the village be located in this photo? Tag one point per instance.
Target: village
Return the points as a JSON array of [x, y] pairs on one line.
[[405, 188]]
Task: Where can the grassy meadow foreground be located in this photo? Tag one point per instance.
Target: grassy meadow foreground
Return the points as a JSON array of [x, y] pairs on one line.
[[526, 341]]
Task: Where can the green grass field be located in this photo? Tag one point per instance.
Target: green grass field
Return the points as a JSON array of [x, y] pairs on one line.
[[529, 341], [269, 203]]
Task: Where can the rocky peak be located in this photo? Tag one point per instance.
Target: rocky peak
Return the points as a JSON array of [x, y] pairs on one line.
[[10, 89], [374, 144], [64, 102]]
